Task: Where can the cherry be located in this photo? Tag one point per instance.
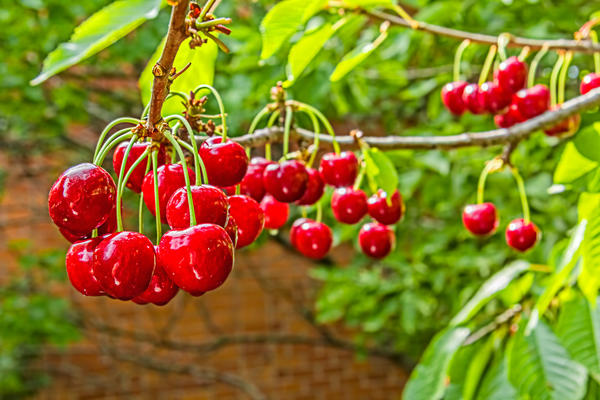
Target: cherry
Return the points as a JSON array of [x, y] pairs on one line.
[[312, 239], [376, 240], [349, 205], [110, 226], [565, 128], [521, 235], [494, 97], [252, 184], [249, 218], [137, 176], [170, 178], [286, 181], [452, 97], [210, 206], [161, 288], [385, 211], [589, 82], [294, 229], [79, 263], [276, 212], [339, 170], [228, 190], [509, 118], [511, 75], [480, 219], [314, 188], [225, 163], [123, 264], [82, 198], [197, 259], [232, 230], [473, 99], [533, 101]]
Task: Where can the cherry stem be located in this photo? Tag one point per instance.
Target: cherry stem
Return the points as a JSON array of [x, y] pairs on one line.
[[487, 64], [554, 78], [524, 53], [120, 182], [503, 40], [361, 176], [221, 106], [562, 79], [534, 64], [212, 22], [270, 123], [522, 193], [457, 58], [325, 122], [205, 9], [482, 178], [198, 163], [141, 201], [319, 215], [238, 189], [594, 37], [114, 139], [158, 220], [186, 176], [289, 115], [126, 178], [111, 125], [317, 131], [257, 118], [201, 173]]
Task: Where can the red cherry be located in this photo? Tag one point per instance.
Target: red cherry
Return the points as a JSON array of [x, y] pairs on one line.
[[276, 212], [228, 190], [210, 206], [376, 240], [349, 205], [232, 230], [533, 101], [252, 184], [589, 82], [248, 216], [339, 170], [312, 239], [161, 288], [170, 178], [197, 259], [110, 226], [314, 188], [82, 198], [225, 163], [286, 181], [137, 176], [473, 99], [511, 75], [509, 118], [124, 263], [565, 128], [294, 229], [384, 211], [79, 263], [452, 97], [480, 219], [494, 97], [521, 235]]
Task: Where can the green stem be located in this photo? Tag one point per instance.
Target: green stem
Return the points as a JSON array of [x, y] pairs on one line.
[[270, 123], [200, 174], [487, 64], [158, 220], [110, 143], [594, 37], [554, 78], [534, 64], [289, 114], [120, 182], [457, 58], [257, 118], [503, 40], [522, 194], [111, 125], [197, 160], [204, 11], [482, 178], [212, 22], [317, 131], [141, 201], [325, 122], [186, 176], [319, 211], [221, 106], [562, 79], [360, 177]]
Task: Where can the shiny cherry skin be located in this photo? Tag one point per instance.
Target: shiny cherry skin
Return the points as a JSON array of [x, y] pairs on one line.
[[339, 170], [137, 176], [383, 210], [452, 97], [276, 212], [82, 198], [589, 82], [521, 235], [473, 99], [286, 181], [312, 239], [249, 218], [349, 205], [210, 206], [494, 97], [226, 163], [565, 128], [533, 101], [161, 288], [197, 259], [252, 184], [232, 230], [480, 219], [79, 263], [170, 178], [314, 188], [294, 229], [110, 226], [376, 240], [124, 263], [511, 75], [510, 117]]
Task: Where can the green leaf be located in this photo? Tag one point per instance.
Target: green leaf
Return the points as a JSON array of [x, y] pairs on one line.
[[495, 384], [587, 142], [428, 378], [477, 368], [368, 3], [589, 278], [98, 32], [488, 291], [283, 20], [572, 165], [541, 369], [380, 170], [354, 58]]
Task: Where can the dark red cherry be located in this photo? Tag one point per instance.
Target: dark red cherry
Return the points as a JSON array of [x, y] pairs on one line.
[[252, 184], [276, 212], [294, 229], [232, 230], [339, 170], [473, 99], [79, 262], [161, 288], [228, 190], [521, 235], [349, 205], [589, 82], [533, 101], [210, 206], [248, 216], [286, 181], [480, 219], [452, 97], [312, 239], [384, 210], [494, 97], [511, 75], [110, 226], [376, 240], [123, 264], [314, 188], [565, 128], [197, 259], [137, 176], [170, 178], [82, 198], [225, 163], [510, 117]]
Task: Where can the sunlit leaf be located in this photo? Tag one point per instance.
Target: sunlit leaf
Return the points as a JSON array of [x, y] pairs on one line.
[[380, 170], [572, 165], [354, 58]]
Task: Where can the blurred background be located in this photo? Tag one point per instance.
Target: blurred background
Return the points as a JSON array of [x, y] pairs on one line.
[[281, 327]]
